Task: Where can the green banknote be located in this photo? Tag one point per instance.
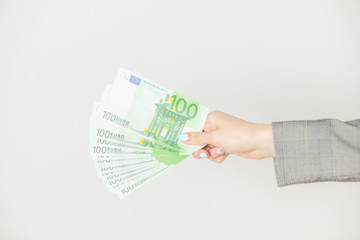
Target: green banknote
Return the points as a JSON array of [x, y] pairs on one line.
[[152, 110], [135, 128]]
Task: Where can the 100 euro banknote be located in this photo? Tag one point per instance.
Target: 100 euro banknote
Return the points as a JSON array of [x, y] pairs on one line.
[[135, 128], [153, 111]]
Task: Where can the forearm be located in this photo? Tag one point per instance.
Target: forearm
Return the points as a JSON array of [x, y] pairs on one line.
[[316, 150]]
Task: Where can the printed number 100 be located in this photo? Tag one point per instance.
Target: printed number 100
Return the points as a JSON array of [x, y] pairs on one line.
[[181, 105]]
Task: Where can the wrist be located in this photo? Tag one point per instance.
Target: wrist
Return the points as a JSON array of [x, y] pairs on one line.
[[266, 140]]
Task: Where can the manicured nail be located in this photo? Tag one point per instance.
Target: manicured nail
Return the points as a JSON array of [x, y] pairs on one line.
[[184, 137], [219, 151], [226, 153], [203, 155]]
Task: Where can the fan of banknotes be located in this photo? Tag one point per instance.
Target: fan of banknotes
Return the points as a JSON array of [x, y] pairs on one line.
[[134, 131]]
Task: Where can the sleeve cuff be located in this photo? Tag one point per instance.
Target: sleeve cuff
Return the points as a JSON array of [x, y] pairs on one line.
[[316, 151]]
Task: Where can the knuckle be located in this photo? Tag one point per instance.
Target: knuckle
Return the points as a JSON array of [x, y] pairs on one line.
[[215, 113]]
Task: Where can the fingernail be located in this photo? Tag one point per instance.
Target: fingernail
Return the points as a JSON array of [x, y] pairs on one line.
[[226, 153], [218, 151], [184, 137], [203, 155]]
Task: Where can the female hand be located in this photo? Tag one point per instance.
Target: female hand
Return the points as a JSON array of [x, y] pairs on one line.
[[224, 134]]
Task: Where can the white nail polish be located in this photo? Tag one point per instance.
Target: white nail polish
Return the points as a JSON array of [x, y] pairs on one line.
[[219, 151]]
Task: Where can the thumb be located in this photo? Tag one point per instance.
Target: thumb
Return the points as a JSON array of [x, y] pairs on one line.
[[196, 138]]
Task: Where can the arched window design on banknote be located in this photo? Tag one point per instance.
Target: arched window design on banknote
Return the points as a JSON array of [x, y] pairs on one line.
[[166, 124]]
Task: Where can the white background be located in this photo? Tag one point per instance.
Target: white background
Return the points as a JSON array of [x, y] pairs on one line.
[[262, 61]]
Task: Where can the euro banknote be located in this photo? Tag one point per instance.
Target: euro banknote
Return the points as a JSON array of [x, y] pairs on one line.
[[134, 131]]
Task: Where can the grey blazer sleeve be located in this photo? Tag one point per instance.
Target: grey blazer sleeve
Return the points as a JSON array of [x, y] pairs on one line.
[[316, 151]]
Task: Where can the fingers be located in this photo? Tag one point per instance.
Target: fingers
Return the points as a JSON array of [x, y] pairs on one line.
[[202, 153], [196, 138], [220, 159], [213, 153]]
